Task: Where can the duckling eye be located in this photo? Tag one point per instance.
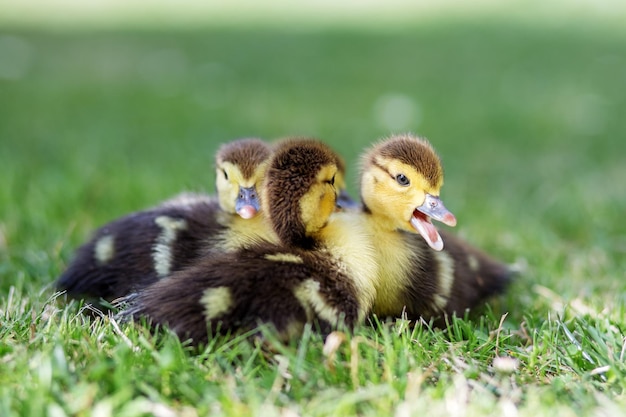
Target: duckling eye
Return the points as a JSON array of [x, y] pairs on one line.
[[332, 181], [402, 180], [225, 174]]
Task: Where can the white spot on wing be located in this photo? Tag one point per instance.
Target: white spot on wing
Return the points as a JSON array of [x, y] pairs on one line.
[[308, 293], [104, 249], [284, 257], [216, 301], [301, 292], [473, 263], [445, 278], [162, 250]]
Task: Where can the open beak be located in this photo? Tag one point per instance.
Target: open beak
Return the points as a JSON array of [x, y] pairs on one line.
[[247, 203], [432, 208]]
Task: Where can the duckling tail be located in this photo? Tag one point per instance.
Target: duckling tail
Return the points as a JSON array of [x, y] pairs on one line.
[[477, 276]]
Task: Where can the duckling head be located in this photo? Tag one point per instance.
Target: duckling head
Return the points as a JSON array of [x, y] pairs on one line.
[[401, 180], [240, 168], [299, 190]]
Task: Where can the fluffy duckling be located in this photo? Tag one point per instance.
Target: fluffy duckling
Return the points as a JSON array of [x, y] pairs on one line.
[[142, 247], [321, 271], [422, 273], [239, 232], [240, 171]]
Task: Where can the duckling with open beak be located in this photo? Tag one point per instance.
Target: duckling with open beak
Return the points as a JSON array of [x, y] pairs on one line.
[[421, 273]]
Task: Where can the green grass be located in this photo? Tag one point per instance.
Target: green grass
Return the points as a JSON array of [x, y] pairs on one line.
[[529, 121]]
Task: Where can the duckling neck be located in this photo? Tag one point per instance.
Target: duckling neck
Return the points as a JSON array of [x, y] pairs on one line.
[[241, 233], [380, 220], [346, 239], [395, 257]]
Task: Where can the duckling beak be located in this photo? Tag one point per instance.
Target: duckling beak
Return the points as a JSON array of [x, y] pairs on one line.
[[247, 203], [432, 208], [344, 201]]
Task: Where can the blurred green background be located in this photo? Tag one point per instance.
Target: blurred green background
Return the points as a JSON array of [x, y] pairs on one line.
[[105, 113]]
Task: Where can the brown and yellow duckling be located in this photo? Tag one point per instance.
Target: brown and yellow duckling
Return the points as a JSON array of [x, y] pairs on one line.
[[423, 272], [321, 271], [142, 247]]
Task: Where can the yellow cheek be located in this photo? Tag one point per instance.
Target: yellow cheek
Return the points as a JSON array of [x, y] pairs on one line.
[[317, 206], [226, 192], [417, 197], [410, 201], [396, 202], [328, 203], [228, 189]]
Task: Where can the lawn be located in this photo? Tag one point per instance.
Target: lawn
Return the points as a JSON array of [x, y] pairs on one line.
[[527, 117]]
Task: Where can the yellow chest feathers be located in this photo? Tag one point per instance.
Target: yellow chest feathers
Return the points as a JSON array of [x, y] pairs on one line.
[[394, 257], [347, 240], [242, 233]]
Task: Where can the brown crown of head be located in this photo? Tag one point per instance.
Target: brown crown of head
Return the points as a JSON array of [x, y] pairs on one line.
[[247, 154], [292, 171], [414, 151]]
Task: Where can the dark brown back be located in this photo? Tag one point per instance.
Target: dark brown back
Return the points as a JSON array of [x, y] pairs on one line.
[[133, 239]]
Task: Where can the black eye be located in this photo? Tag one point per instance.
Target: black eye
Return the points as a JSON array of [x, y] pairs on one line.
[[402, 180], [332, 180], [225, 174]]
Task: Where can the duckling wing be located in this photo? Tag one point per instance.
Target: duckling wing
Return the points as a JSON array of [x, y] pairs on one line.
[[477, 275], [238, 291], [138, 249], [433, 283]]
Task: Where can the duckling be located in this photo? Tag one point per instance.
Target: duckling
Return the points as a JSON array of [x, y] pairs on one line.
[[145, 246], [320, 272], [240, 233], [422, 274], [240, 170]]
